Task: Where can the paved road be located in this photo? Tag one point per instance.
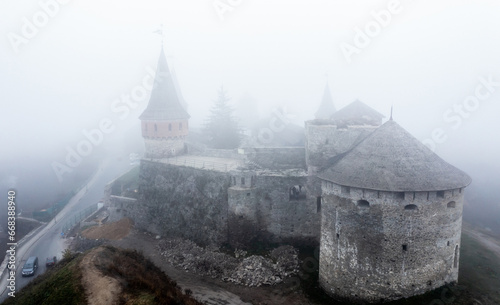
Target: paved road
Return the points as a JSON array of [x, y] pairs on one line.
[[47, 242]]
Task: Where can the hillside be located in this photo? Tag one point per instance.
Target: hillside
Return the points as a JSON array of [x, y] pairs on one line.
[[103, 275]]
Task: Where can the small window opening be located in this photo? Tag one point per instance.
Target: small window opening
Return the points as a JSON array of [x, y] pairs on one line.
[[156, 128], [248, 194], [242, 181], [363, 204], [411, 207], [169, 127], [400, 195], [345, 190], [234, 180], [440, 194], [318, 204], [297, 192], [448, 243], [180, 126], [338, 235], [405, 247], [451, 204]]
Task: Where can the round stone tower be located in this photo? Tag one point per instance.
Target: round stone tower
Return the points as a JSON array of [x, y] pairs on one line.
[[391, 219], [164, 123]]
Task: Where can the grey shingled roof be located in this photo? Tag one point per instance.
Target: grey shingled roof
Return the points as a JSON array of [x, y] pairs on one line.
[[391, 159], [164, 103], [356, 111], [326, 108]]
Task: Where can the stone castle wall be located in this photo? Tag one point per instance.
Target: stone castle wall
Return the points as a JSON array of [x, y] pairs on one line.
[[324, 141], [163, 148], [277, 158], [182, 201], [386, 245], [265, 210], [212, 207]]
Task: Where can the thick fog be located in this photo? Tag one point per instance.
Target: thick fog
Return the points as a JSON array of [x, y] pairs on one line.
[[71, 67]]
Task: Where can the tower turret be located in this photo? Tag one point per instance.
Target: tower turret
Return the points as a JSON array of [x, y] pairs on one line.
[[164, 123], [391, 219]]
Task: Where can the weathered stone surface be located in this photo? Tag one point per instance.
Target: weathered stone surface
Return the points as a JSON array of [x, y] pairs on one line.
[[386, 246], [250, 271]]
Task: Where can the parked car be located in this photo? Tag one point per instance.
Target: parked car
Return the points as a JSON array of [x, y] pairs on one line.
[[30, 266], [51, 261]]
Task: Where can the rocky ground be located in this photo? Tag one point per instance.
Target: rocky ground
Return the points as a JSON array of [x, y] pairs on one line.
[[251, 271], [217, 277]]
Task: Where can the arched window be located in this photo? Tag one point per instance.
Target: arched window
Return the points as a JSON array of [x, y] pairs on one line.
[[169, 127], [411, 207], [363, 204], [451, 204]]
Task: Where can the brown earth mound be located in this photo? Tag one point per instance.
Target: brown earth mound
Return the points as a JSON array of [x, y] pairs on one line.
[[112, 231]]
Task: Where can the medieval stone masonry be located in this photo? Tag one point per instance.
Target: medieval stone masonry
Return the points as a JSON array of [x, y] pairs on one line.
[[385, 211]]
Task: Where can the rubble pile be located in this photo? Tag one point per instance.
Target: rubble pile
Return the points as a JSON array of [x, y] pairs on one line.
[[252, 271], [190, 257]]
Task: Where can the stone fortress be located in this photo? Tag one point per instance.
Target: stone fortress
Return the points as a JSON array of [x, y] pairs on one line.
[[385, 211]]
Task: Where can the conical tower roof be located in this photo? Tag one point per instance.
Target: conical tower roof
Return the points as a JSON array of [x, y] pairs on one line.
[[164, 103], [391, 159], [326, 108], [357, 111]]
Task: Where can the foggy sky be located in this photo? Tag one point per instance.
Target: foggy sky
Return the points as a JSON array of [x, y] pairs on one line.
[[427, 59]]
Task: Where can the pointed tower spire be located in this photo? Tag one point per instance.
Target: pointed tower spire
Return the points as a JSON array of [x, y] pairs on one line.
[[164, 121], [326, 108], [164, 103]]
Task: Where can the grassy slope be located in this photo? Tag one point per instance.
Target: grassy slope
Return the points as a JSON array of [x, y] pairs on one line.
[[61, 285], [142, 282]]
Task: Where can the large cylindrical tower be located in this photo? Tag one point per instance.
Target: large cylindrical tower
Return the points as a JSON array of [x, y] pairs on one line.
[[391, 219]]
